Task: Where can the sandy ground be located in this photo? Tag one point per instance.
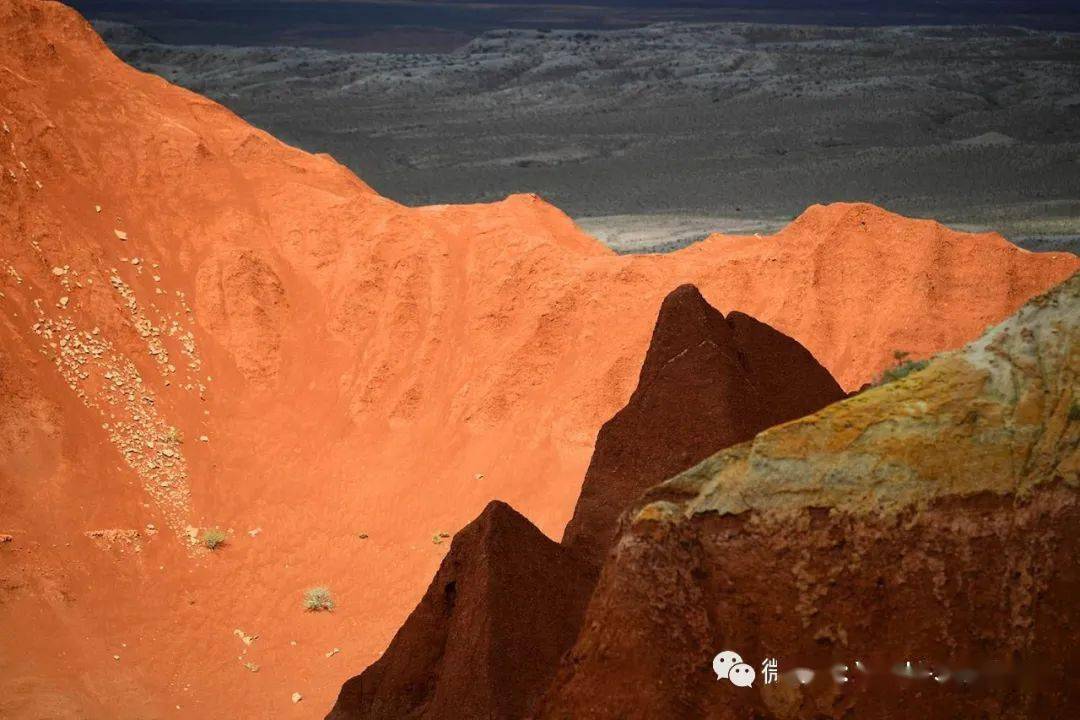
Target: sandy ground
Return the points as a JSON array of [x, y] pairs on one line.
[[201, 326]]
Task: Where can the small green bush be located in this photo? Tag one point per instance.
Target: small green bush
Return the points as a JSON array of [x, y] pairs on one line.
[[213, 538], [317, 599], [1074, 412], [903, 370]]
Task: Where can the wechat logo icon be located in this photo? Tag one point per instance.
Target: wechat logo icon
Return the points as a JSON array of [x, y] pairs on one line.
[[729, 665]]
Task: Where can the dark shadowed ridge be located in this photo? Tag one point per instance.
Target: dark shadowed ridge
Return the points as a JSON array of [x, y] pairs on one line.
[[488, 634], [894, 525], [507, 602]]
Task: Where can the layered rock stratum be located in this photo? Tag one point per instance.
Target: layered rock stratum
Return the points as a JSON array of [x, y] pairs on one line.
[[918, 538], [201, 327], [487, 637]]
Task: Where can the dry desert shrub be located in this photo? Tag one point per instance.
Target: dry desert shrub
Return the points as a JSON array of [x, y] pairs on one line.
[[317, 599], [213, 538]]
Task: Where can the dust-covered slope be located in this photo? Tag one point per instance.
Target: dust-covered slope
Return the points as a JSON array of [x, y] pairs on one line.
[[201, 326], [487, 637]]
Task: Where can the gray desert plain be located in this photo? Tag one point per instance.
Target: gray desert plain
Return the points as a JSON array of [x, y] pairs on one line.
[[652, 137]]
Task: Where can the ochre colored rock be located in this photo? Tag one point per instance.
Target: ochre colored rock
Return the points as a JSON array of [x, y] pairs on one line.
[[506, 604], [357, 364], [487, 636], [931, 520], [707, 382]]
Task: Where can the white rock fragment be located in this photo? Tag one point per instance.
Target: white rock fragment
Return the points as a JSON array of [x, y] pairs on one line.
[[58, 271], [97, 208], [297, 697], [244, 637], [120, 234], [333, 652], [63, 302]]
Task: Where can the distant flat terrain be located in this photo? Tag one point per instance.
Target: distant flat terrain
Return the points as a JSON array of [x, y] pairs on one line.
[[667, 232], [431, 25], [975, 126]]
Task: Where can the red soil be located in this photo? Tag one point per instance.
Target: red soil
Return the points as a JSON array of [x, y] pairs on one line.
[[675, 595], [357, 367], [487, 636], [708, 382], [507, 603]]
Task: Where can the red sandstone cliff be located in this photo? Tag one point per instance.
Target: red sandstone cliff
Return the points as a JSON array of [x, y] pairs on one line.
[[486, 639], [169, 273], [932, 520]]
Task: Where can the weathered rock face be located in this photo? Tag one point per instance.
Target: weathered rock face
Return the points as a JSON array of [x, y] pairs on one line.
[[932, 520], [487, 636], [507, 602], [707, 382], [199, 325]]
